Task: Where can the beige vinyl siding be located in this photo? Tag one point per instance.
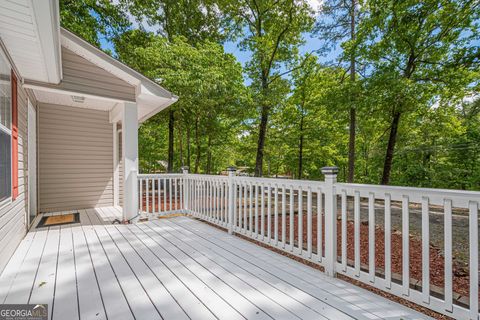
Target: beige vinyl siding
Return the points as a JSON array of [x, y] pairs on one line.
[[80, 75], [13, 214], [75, 158]]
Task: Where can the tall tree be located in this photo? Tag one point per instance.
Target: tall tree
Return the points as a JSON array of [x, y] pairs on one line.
[[271, 31], [337, 24], [208, 81], [93, 19], [195, 20], [415, 50]]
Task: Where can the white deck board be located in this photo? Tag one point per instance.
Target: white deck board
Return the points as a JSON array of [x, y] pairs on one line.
[[356, 301], [215, 303], [44, 285], [138, 299], [116, 306], [176, 268], [19, 291], [297, 301], [65, 296], [11, 270], [89, 297], [236, 300], [181, 293], [161, 298]]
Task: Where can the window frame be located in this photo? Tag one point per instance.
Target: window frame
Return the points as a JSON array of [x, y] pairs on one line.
[[8, 131]]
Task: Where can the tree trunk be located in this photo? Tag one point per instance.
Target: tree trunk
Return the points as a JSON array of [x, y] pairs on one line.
[[171, 137], [261, 141], [353, 115], [392, 139], [351, 145], [209, 155], [188, 146], [300, 149], [197, 142], [180, 145]]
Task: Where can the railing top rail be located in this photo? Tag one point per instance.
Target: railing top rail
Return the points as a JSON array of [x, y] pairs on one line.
[[207, 176], [160, 175], [460, 198], [385, 188], [282, 182]]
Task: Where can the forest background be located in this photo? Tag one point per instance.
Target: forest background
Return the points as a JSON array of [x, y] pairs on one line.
[[387, 90]]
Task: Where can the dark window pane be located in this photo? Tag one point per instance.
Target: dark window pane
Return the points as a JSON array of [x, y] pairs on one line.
[[5, 165]]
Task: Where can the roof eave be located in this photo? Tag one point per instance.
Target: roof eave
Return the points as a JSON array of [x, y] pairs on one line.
[[48, 27]]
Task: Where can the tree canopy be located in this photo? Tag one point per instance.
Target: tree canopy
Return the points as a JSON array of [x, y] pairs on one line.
[[397, 104]]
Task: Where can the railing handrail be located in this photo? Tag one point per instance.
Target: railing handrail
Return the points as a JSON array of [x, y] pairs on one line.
[[455, 192], [156, 175]]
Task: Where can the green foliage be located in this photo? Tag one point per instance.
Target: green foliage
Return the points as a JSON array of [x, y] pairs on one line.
[[212, 98], [91, 19], [416, 59]]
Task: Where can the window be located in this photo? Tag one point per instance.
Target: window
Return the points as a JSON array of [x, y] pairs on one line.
[[5, 130]]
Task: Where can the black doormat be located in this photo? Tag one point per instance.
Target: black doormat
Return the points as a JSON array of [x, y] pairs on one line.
[[59, 220]]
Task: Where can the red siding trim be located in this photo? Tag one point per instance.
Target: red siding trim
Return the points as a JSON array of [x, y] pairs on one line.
[[14, 137]]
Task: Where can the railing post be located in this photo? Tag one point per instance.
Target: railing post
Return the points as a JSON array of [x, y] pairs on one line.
[[231, 176], [186, 196], [330, 174]]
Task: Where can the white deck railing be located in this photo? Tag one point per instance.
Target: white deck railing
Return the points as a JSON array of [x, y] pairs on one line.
[[301, 217]]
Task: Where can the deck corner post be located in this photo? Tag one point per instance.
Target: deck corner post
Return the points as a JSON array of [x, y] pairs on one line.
[[231, 176], [330, 174], [186, 196], [130, 161]]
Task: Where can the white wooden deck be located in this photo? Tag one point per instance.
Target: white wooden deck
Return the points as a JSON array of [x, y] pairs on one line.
[[175, 268]]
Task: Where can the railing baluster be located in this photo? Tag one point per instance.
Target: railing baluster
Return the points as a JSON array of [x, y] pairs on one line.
[[235, 205], [473, 235], [425, 251], [269, 212], [344, 230], [284, 216], [319, 225], [371, 236], [245, 208], [356, 221], [182, 200], [405, 246], [154, 210], [250, 212], [309, 222], [256, 211], [175, 194], [300, 220], [240, 207], [448, 254], [217, 204], [141, 195], [388, 242], [262, 211], [291, 233], [225, 202], [275, 212], [170, 192], [147, 195], [159, 200]]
